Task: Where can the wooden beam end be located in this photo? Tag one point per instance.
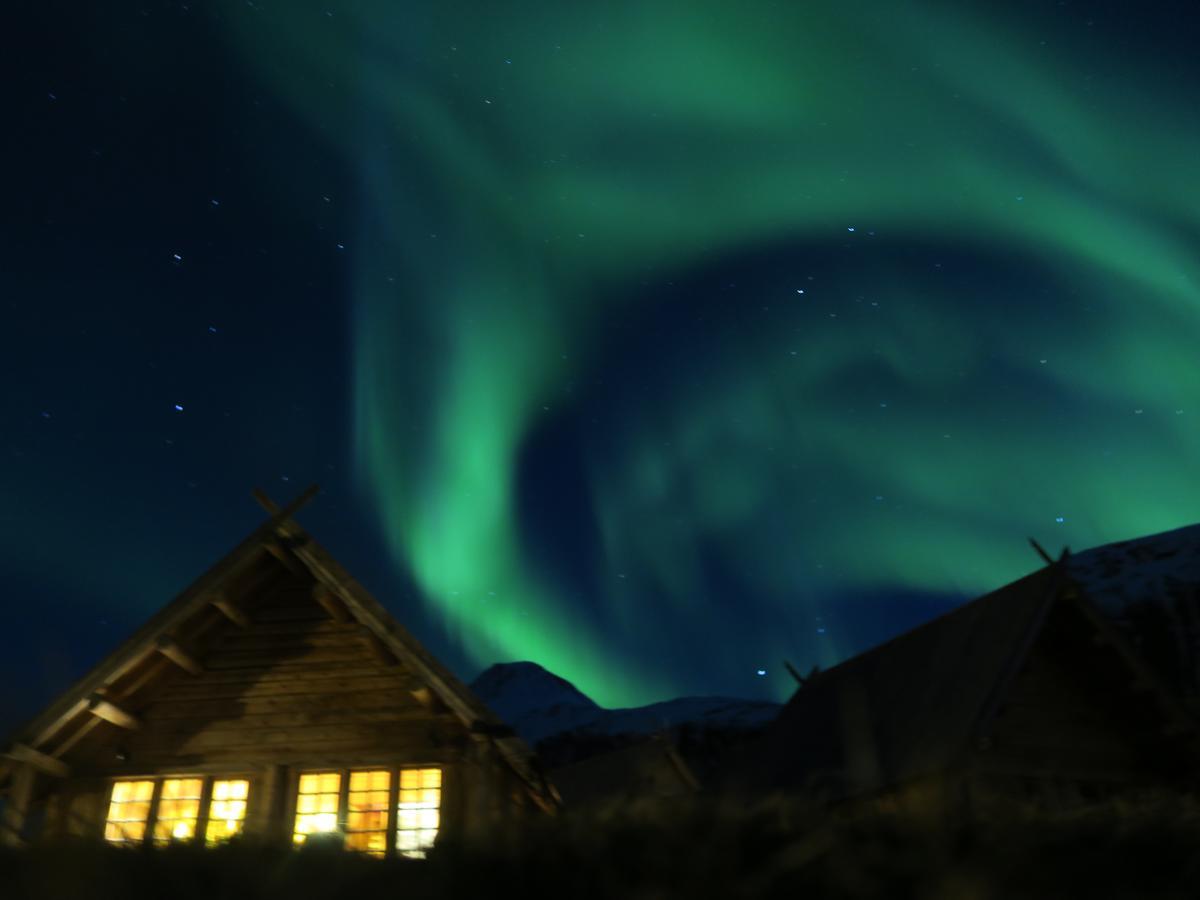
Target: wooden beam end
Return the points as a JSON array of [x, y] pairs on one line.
[[110, 712], [43, 762]]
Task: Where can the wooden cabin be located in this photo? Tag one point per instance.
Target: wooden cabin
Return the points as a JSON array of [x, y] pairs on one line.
[[273, 698], [1025, 695]]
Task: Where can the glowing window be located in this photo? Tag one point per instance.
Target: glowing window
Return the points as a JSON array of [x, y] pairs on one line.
[[128, 811], [227, 811], [417, 813], [178, 810], [367, 811], [317, 804]]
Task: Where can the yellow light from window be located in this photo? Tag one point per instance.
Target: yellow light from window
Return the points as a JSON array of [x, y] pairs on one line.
[[227, 811], [128, 811], [417, 814], [366, 818], [316, 804], [178, 810]]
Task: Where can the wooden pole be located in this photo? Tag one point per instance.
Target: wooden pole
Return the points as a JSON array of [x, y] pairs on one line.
[[16, 810], [1041, 552], [792, 671]]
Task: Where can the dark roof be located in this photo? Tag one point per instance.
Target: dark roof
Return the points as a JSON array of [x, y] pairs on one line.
[[280, 532], [648, 769], [915, 704]]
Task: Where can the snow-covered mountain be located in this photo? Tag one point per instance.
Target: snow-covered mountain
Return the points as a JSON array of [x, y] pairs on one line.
[[1148, 586], [539, 704]]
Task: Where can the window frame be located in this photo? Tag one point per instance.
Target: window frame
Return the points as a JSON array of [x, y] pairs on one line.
[[344, 772], [206, 788]]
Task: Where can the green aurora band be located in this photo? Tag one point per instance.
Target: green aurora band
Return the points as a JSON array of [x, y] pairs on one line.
[[524, 173]]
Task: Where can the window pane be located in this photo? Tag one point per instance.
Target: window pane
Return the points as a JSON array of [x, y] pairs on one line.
[[128, 811], [366, 822], [417, 816], [178, 810], [226, 817], [317, 804]]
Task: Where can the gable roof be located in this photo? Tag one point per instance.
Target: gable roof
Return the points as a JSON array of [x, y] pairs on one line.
[[918, 702], [281, 536]]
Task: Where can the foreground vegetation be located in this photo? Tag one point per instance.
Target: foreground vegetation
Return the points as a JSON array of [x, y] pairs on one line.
[[1135, 849]]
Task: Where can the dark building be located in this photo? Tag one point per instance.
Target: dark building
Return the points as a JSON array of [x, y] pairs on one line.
[[1027, 693]]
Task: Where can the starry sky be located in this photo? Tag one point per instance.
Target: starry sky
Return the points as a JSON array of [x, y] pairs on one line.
[[655, 342]]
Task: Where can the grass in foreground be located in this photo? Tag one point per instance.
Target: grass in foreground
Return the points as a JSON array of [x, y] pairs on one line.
[[1146, 849]]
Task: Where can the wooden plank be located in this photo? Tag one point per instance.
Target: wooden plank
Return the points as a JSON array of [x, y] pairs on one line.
[[251, 639], [376, 648], [294, 718], [296, 659], [310, 613], [263, 629], [110, 712], [43, 762], [333, 756], [233, 743], [233, 707], [85, 728], [171, 649], [288, 688], [242, 679], [154, 671], [366, 668], [330, 603], [284, 557], [229, 609], [65, 715]]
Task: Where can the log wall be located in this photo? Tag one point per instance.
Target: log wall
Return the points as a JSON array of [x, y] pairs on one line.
[[292, 691]]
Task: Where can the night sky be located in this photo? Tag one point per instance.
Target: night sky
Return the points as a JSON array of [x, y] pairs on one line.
[[654, 342]]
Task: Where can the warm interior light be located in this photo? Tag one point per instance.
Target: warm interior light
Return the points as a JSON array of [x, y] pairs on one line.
[[178, 809], [417, 814], [316, 804], [227, 811], [366, 818], [128, 811]]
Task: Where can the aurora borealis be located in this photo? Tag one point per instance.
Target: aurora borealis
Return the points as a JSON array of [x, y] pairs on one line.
[[679, 339]]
